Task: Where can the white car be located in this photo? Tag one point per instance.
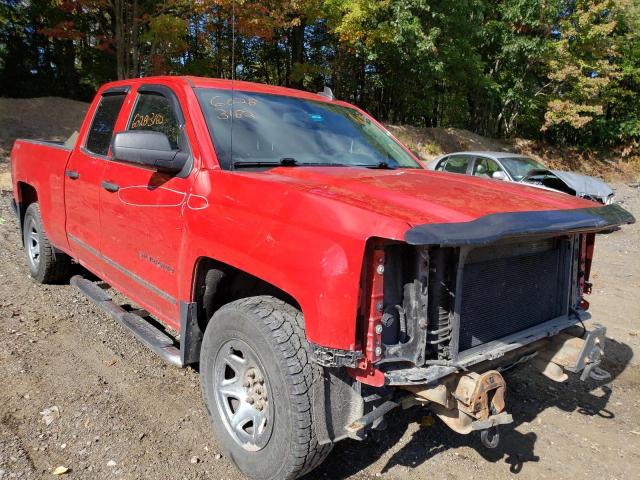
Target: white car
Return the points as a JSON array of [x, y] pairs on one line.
[[512, 167]]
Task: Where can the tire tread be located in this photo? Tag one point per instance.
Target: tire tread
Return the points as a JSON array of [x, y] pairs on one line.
[[285, 325], [55, 266]]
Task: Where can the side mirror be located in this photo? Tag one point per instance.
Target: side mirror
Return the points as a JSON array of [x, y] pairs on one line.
[[149, 148], [499, 175]]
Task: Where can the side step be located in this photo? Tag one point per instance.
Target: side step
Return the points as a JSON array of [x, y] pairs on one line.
[[153, 338]]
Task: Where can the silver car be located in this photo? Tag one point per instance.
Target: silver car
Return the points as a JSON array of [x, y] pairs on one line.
[[512, 167]]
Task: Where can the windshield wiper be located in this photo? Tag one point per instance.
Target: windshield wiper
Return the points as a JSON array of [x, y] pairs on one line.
[[287, 162], [284, 162], [292, 162], [380, 165]]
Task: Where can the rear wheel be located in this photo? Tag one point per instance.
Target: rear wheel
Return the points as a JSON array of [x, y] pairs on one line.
[[257, 385], [46, 265]]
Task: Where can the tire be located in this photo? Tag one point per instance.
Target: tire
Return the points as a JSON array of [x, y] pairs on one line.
[[266, 333], [46, 265]]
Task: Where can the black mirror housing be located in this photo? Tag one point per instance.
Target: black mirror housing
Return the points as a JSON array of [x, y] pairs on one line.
[[148, 148]]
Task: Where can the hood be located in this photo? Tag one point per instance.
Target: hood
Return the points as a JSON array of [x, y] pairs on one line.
[[584, 185], [418, 196]]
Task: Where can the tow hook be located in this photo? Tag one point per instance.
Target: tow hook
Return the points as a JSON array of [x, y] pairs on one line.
[[490, 438], [469, 402], [489, 433]]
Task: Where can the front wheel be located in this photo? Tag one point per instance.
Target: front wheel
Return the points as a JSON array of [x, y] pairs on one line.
[[257, 385]]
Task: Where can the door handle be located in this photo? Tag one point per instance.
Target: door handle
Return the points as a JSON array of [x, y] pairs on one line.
[[72, 174], [110, 187]]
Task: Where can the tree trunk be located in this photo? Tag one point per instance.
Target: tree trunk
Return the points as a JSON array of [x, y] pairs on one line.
[[135, 48], [297, 53], [118, 16]]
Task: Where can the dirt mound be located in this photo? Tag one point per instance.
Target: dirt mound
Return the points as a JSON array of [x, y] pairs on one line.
[[608, 164], [431, 142], [47, 118]]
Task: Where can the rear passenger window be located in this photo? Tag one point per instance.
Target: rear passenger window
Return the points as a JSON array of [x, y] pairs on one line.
[[457, 164], [104, 121], [153, 111]]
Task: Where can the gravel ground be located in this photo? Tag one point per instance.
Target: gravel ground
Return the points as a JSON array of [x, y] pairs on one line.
[[122, 413]]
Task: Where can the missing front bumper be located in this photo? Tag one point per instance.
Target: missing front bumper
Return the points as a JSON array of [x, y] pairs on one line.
[[503, 351], [473, 401]]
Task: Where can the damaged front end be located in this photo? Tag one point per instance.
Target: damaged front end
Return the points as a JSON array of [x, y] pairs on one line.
[[571, 183], [454, 305]]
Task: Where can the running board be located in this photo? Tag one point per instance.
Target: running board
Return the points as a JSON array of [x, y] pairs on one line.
[[152, 337]]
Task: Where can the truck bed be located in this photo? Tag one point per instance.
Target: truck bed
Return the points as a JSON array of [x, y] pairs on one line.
[[41, 164]]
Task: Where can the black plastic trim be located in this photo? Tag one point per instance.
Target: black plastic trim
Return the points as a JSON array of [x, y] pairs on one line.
[[46, 143], [117, 90], [169, 94], [498, 226], [153, 337], [19, 213], [190, 333], [110, 186]]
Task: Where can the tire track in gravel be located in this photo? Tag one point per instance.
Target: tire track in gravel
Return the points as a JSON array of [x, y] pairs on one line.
[[63, 352]]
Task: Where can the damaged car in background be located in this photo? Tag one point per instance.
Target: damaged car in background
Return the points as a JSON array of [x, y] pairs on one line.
[[512, 167]]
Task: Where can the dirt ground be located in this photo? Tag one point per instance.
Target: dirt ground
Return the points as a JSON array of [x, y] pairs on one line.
[[120, 412], [123, 413]]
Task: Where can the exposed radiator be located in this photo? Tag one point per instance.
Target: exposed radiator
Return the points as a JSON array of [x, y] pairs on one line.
[[509, 288]]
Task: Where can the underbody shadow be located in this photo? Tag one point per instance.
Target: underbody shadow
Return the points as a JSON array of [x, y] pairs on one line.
[[528, 395]]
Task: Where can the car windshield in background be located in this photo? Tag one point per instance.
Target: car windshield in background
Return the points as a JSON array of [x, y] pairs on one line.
[[518, 167], [274, 130]]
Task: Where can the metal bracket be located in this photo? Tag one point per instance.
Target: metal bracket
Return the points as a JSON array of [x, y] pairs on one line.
[[503, 418], [590, 356], [335, 358], [413, 350], [575, 354]]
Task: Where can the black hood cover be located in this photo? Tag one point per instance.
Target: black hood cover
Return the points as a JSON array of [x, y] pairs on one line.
[[497, 226]]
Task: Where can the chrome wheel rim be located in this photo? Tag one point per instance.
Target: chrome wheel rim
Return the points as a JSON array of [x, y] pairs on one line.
[[243, 395], [32, 241]]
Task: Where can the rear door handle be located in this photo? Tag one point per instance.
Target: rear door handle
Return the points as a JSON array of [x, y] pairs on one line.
[[110, 187], [72, 174]]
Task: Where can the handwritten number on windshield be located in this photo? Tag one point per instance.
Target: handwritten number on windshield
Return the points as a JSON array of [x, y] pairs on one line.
[[224, 108]]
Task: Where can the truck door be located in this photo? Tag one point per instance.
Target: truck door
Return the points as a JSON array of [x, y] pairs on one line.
[[142, 209], [83, 175]]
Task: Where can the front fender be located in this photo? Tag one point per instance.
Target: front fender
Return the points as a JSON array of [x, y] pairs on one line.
[[308, 246]]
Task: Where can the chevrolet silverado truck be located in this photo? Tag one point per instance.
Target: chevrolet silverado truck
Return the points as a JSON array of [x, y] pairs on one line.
[[309, 265]]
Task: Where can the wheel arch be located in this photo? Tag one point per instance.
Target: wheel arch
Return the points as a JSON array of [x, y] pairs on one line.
[[214, 284], [27, 194]]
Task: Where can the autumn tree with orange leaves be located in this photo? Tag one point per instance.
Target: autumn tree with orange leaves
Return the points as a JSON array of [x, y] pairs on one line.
[[565, 71]]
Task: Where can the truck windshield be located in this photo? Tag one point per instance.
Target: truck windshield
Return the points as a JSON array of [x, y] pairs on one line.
[[518, 167], [255, 129]]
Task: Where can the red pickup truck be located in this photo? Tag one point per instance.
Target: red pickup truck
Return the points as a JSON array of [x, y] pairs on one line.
[[307, 262]]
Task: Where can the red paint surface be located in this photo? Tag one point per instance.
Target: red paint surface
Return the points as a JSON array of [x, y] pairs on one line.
[[302, 229]]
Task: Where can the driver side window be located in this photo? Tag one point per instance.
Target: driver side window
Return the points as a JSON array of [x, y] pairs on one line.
[[153, 111], [485, 167]]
